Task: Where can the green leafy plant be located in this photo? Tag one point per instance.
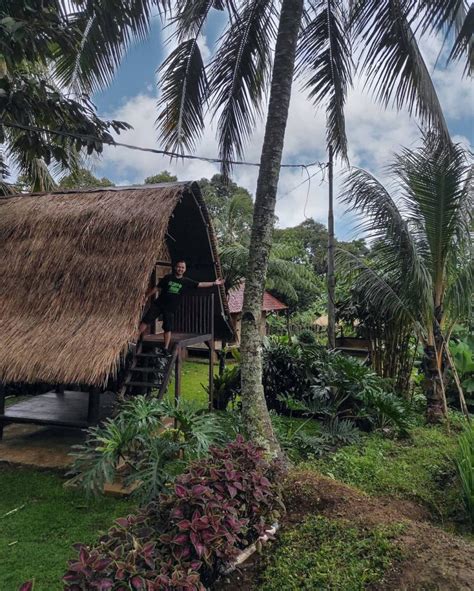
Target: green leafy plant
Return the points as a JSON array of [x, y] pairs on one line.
[[146, 444], [465, 467]]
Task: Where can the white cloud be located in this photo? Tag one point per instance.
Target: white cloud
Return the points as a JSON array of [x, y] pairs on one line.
[[374, 135]]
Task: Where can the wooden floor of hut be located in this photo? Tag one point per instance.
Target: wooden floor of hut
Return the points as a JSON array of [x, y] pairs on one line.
[[180, 339], [68, 409]]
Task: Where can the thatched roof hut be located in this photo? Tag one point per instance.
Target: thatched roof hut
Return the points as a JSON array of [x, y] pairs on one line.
[[74, 270]]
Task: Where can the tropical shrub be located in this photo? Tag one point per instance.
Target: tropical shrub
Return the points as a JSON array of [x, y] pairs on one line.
[[306, 337], [465, 467], [218, 506], [462, 353], [146, 444], [286, 371]]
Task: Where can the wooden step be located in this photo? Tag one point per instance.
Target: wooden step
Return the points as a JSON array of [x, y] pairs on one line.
[[147, 369], [154, 355], [147, 384]]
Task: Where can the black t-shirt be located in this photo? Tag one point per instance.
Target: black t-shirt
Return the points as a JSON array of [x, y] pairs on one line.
[[172, 290]]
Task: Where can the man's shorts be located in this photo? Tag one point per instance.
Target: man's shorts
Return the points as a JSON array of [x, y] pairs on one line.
[[154, 312]]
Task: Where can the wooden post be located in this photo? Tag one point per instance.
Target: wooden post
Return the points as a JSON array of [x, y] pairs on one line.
[[2, 407], [177, 378], [210, 344], [331, 278], [93, 409], [60, 389]]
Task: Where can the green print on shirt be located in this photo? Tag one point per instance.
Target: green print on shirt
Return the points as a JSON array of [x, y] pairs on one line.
[[174, 287]]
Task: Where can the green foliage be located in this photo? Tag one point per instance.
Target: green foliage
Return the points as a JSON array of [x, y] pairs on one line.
[[329, 385], [465, 467], [306, 337], [36, 538], [29, 96], [421, 468], [463, 356], [336, 555], [83, 178], [219, 505], [231, 209], [162, 177], [307, 438], [141, 445]]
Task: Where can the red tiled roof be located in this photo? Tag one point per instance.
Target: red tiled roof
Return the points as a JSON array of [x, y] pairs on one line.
[[236, 301]]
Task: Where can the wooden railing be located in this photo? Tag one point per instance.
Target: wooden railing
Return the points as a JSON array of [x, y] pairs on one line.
[[195, 314]]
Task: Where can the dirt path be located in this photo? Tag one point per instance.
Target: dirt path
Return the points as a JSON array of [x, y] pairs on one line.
[[433, 559]]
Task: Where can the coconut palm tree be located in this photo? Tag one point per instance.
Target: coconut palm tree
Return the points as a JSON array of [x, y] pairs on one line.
[[424, 247]]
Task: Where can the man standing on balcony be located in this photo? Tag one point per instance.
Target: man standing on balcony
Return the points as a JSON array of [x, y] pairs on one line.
[[172, 287]]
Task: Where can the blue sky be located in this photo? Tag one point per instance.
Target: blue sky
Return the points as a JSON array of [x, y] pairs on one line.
[[374, 133]]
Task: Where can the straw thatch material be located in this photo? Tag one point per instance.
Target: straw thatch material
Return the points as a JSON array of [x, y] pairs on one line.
[[74, 270]]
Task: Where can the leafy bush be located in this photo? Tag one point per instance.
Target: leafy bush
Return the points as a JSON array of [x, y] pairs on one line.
[[306, 337], [286, 371], [219, 505], [465, 466], [226, 387], [142, 446]]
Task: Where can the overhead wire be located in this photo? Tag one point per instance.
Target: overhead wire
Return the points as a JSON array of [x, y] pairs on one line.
[[169, 153]]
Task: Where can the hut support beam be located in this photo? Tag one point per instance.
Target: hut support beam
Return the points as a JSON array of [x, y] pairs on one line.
[[94, 405], [210, 345], [177, 377]]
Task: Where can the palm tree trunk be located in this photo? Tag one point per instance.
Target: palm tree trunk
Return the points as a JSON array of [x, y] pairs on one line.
[[331, 278], [254, 409], [434, 369]]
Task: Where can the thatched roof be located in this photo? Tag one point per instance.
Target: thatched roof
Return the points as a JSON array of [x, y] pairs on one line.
[[74, 270]]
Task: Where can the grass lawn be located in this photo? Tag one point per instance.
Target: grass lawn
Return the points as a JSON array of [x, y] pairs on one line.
[[325, 554], [36, 537], [195, 375]]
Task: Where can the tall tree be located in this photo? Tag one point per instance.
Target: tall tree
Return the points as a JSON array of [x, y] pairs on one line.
[[230, 207], [162, 177], [83, 179], [423, 247]]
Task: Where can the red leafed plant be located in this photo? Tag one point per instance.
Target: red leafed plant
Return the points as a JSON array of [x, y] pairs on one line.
[[179, 542]]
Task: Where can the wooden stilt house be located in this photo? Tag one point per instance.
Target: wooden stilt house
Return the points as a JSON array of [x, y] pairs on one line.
[[74, 270]]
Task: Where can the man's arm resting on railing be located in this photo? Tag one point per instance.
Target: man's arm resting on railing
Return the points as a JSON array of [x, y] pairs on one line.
[[211, 283]]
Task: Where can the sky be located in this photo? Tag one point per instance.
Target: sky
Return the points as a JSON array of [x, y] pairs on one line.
[[374, 133]]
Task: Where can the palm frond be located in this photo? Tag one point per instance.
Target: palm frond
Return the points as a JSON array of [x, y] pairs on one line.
[[190, 15], [379, 292], [103, 31], [464, 43], [456, 19], [239, 76], [324, 58], [392, 60], [458, 299], [183, 94], [397, 251], [437, 193]]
